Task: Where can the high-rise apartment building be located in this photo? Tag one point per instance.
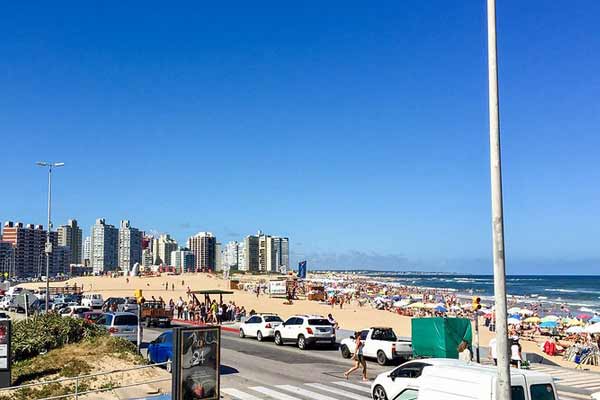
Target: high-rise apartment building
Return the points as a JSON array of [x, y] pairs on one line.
[[162, 249], [87, 251], [281, 246], [203, 245], [130, 246], [183, 260], [218, 257], [251, 253], [105, 247], [231, 255], [147, 258], [69, 235], [267, 256], [7, 259], [241, 260], [29, 256]]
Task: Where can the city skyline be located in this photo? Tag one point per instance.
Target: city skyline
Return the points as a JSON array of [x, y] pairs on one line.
[[375, 124]]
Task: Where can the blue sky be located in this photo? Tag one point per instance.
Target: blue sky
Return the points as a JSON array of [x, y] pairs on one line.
[[358, 130]]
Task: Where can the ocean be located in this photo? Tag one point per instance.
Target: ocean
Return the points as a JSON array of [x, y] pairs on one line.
[[575, 291]]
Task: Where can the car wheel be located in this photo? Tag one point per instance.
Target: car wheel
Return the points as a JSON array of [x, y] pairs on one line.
[[381, 358], [169, 366], [346, 352], [278, 340], [379, 393], [259, 336], [242, 334], [301, 342]]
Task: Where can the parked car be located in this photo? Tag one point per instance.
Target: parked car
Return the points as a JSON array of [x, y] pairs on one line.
[[305, 330], [108, 303], [120, 324], [74, 311], [92, 316], [129, 304], [5, 302], [380, 343], [92, 300], [260, 326], [431, 379], [160, 350]]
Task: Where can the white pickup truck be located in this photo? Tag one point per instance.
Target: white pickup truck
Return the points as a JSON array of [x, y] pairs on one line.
[[380, 343]]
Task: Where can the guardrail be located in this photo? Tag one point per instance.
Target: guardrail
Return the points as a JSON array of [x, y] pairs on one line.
[[79, 378]]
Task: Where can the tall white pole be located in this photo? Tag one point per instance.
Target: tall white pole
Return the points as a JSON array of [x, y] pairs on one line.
[[503, 390], [48, 242]]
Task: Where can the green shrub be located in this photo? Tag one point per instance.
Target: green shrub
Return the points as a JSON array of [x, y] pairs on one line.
[[45, 332]]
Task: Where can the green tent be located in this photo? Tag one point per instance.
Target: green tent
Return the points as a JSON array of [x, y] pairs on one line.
[[439, 337]]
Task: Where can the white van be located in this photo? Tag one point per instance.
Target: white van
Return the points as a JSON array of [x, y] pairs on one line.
[[92, 300], [446, 379], [479, 383]]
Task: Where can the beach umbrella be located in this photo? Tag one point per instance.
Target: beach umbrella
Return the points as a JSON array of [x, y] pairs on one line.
[[533, 320], [595, 328], [548, 324], [595, 319], [440, 309], [513, 321], [516, 316], [550, 318], [525, 311], [575, 329], [418, 304], [575, 322], [514, 310], [584, 316]]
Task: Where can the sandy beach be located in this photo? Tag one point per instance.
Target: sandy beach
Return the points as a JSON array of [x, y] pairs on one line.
[[352, 316]]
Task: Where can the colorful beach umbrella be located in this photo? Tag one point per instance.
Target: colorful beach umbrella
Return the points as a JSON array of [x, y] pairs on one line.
[[584, 316], [440, 309], [575, 329], [548, 324], [595, 319], [418, 304], [514, 310], [575, 322], [595, 328], [514, 321], [550, 318], [533, 320], [515, 316]]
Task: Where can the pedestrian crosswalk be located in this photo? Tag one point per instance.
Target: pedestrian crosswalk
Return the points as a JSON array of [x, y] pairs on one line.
[[584, 381], [336, 390]]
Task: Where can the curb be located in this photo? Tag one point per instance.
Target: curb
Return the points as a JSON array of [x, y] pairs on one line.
[[194, 323]]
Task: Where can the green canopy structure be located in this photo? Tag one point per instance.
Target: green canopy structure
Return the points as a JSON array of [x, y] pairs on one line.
[[439, 337]]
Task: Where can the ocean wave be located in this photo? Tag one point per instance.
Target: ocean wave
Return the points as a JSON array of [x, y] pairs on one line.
[[572, 291]]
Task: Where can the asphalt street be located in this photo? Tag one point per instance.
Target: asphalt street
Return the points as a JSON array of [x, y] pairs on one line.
[[261, 370]]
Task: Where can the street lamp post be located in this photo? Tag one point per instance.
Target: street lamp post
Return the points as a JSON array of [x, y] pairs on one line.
[[48, 249], [503, 391]]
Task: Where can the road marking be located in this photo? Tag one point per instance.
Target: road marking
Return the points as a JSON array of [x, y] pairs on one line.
[[337, 391], [306, 393], [273, 393], [352, 386], [238, 394]]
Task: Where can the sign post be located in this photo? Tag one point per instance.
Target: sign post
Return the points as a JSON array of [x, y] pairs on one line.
[[5, 353], [196, 363]]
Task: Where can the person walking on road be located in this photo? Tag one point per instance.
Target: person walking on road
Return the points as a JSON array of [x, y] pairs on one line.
[[359, 359]]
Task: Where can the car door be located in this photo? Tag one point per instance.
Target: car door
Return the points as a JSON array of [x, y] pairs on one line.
[[251, 326], [287, 328], [405, 376], [155, 349], [370, 343], [297, 328]]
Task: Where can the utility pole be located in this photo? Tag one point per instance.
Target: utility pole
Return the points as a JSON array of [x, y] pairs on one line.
[[503, 390], [48, 249]]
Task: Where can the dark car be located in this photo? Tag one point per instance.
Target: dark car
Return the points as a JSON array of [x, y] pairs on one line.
[[160, 350]]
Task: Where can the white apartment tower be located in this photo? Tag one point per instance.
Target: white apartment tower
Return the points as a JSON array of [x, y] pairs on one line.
[[130, 246], [69, 235], [203, 245], [104, 247]]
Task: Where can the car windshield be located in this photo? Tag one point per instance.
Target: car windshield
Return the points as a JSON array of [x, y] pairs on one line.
[[319, 321], [273, 318], [127, 320]]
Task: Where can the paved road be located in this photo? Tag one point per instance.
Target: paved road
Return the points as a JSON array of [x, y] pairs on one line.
[[254, 370]]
